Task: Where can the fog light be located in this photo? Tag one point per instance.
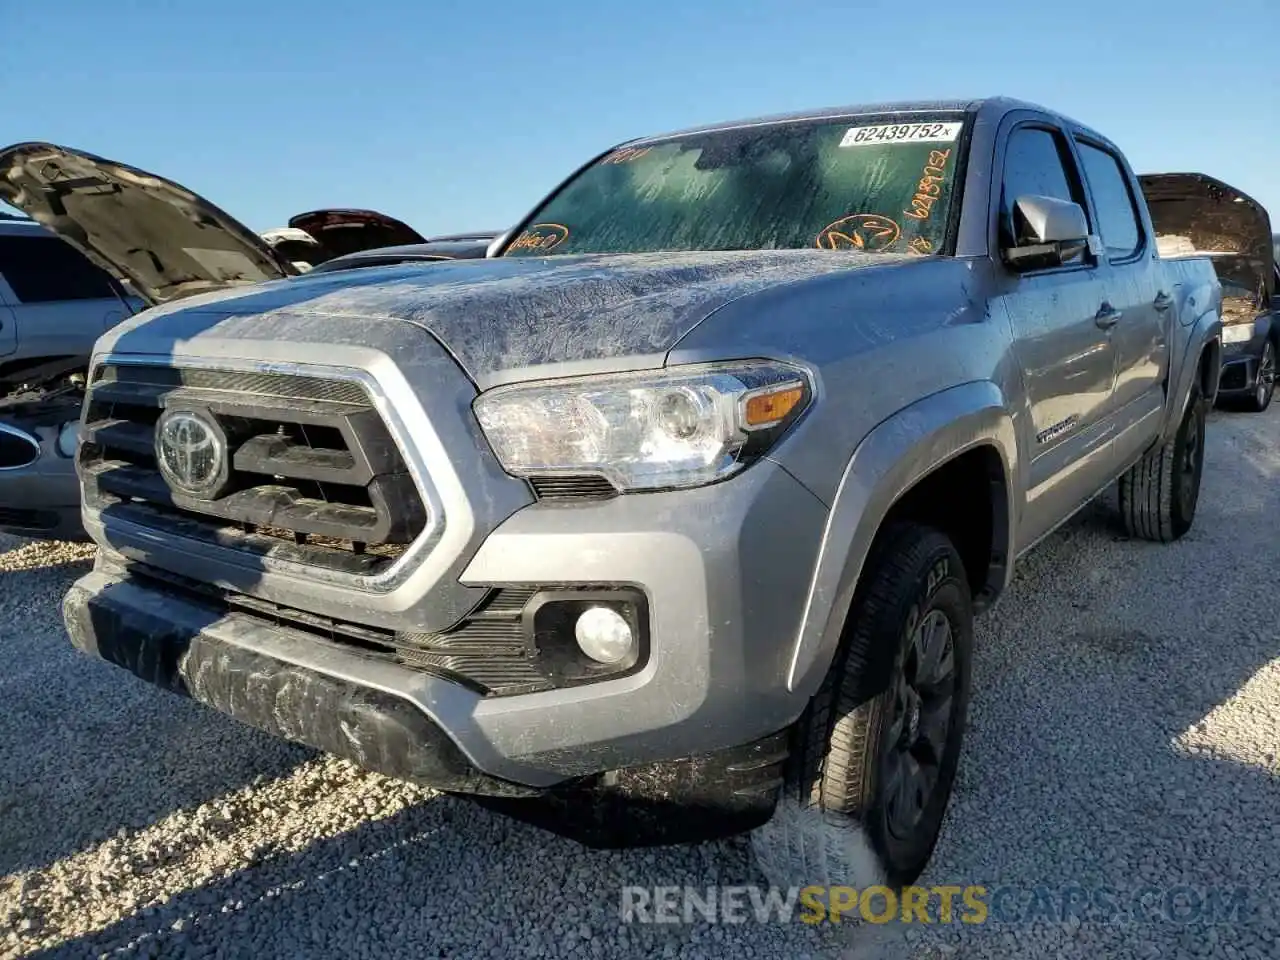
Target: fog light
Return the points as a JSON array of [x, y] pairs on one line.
[[604, 635]]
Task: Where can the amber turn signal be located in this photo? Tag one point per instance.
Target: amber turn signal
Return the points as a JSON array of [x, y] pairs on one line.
[[766, 409]]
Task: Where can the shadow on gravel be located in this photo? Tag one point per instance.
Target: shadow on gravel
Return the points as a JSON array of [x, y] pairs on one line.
[[1178, 861], [413, 885], [1106, 745], [86, 750]]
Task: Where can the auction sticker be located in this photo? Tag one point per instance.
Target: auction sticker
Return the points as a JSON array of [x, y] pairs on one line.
[[901, 133]]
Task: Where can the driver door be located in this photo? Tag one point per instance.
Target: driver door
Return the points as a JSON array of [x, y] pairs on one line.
[[1061, 343]]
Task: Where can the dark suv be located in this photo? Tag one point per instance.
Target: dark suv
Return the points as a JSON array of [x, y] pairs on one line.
[[1187, 205]]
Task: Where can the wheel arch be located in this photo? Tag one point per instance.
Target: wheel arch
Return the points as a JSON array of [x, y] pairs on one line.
[[966, 427], [1199, 360], [1210, 370], [1272, 320]]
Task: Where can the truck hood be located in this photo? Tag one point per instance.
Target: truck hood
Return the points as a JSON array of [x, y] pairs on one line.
[[166, 241], [502, 316], [1214, 218]]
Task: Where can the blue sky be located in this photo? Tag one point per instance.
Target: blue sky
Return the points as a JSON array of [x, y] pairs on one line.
[[458, 116]]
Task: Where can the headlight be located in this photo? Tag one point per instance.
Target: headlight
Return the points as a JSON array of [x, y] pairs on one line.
[[679, 427], [1237, 333], [68, 436]]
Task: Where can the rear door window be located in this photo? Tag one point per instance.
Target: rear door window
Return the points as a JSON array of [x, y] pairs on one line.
[[1112, 197], [46, 270]]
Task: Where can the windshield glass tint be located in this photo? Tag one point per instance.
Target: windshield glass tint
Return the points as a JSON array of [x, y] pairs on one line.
[[869, 184]]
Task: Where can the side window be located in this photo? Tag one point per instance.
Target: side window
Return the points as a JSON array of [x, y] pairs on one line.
[[1036, 162], [1117, 213], [44, 270]]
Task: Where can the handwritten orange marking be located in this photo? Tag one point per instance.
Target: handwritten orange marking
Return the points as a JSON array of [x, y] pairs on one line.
[[929, 189], [540, 237], [626, 155], [860, 231]]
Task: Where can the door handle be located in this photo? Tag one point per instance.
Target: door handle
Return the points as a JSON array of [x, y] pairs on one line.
[[1107, 316], [1162, 301]]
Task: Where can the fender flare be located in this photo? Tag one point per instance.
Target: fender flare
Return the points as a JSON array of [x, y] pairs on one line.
[[888, 462], [1205, 331], [1272, 323]]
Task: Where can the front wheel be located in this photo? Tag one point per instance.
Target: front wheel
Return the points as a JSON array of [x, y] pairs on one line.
[[1265, 386], [1159, 493], [874, 756]]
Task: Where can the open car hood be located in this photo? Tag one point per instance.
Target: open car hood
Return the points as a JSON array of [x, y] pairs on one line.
[[166, 241], [453, 247], [340, 232], [297, 246], [1196, 213]]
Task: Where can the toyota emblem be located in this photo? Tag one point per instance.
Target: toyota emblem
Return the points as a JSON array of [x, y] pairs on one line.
[[191, 452]]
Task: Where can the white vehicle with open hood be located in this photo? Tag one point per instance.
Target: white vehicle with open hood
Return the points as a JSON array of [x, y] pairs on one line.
[[147, 241], [53, 305]]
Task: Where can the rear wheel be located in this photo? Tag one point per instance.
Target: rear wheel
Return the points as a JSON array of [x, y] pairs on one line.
[[875, 754], [1265, 387], [1159, 494]]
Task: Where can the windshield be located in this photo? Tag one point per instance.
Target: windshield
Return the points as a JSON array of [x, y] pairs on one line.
[[876, 184]]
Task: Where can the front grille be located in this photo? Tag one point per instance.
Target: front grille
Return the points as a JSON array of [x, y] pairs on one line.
[[289, 386], [486, 651], [488, 648], [573, 487], [315, 476]]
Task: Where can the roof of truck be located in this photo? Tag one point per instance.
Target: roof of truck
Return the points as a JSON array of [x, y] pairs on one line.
[[998, 105]]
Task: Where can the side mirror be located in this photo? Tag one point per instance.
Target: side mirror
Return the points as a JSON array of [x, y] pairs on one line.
[[1048, 233]]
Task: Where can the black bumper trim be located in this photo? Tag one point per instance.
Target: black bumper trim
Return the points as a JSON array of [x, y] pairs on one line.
[[1238, 376], [167, 645], [226, 661]]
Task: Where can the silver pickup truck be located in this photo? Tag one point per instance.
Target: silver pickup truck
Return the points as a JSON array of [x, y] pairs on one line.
[[684, 496]]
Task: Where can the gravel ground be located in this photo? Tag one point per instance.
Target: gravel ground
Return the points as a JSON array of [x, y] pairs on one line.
[[1125, 734]]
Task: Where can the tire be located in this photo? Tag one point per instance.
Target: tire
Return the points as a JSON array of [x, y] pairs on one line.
[[1265, 386], [1159, 493], [839, 820]]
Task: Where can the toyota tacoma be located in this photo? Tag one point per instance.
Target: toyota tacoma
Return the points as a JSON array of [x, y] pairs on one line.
[[685, 495]]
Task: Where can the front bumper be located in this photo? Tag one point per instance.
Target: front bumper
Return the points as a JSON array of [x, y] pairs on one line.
[[285, 683], [1239, 377], [1240, 361], [725, 570], [43, 499]]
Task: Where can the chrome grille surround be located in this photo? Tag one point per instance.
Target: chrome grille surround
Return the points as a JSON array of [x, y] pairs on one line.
[[311, 379]]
